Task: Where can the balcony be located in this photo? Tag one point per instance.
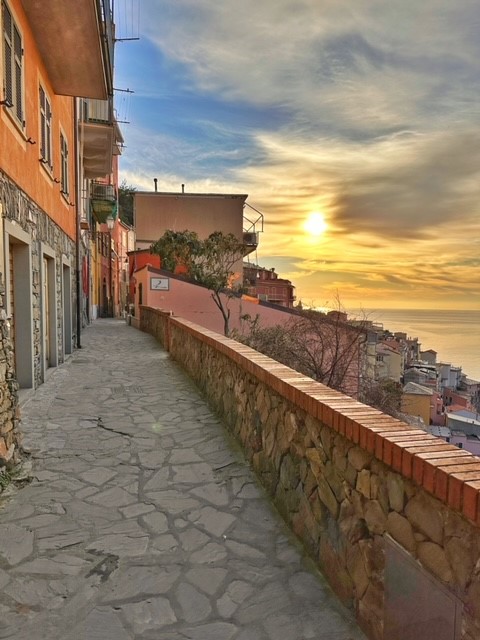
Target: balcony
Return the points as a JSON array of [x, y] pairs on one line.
[[252, 226], [103, 201], [75, 40], [101, 137], [250, 240]]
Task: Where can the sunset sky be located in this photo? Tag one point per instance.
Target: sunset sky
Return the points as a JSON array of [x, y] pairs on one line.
[[365, 112]]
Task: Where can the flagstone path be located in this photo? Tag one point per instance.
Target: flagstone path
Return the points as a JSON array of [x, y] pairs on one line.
[[142, 520]]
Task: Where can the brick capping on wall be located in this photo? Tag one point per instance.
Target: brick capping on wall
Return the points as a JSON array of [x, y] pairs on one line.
[[447, 472], [423, 464]]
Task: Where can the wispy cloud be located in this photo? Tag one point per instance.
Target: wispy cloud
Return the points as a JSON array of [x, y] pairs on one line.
[[367, 111]]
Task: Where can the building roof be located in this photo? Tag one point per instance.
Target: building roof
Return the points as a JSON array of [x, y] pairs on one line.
[[453, 408], [471, 421], [417, 389], [387, 346], [440, 432], [190, 194], [464, 413], [414, 421]]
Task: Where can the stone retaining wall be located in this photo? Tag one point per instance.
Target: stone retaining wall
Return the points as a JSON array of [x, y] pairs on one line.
[[346, 477], [18, 207], [9, 410]]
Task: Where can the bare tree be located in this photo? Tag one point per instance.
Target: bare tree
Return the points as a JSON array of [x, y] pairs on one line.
[[328, 349], [321, 346], [382, 394]]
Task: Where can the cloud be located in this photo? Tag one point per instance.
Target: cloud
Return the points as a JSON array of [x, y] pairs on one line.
[[421, 187], [367, 111]]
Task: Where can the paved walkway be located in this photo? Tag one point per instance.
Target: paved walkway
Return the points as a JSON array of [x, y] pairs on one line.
[[142, 520]]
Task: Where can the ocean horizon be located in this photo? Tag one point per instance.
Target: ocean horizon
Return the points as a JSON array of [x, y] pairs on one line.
[[453, 334]]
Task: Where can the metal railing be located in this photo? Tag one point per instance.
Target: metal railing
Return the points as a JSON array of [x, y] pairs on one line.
[[98, 111], [101, 191]]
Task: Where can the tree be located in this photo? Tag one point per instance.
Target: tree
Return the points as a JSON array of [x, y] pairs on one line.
[[320, 346], [125, 202], [178, 250], [385, 395], [208, 262], [326, 348]]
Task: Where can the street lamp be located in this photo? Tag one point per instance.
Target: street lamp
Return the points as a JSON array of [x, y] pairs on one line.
[[110, 224]]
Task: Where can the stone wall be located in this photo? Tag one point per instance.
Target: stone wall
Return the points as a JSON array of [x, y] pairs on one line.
[[9, 412], [18, 207], [346, 477]]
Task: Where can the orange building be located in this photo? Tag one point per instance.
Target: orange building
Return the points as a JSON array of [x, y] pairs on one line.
[[266, 285], [57, 85]]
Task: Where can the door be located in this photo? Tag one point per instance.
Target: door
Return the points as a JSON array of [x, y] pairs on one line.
[[11, 297], [46, 313]]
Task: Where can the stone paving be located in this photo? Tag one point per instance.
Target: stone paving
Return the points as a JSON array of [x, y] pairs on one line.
[[143, 520]]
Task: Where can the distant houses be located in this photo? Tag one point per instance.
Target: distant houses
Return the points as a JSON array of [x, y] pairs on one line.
[[266, 285], [437, 395]]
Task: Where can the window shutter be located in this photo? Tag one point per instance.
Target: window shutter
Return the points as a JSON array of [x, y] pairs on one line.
[[18, 54], [42, 124], [48, 132], [64, 164], [8, 52]]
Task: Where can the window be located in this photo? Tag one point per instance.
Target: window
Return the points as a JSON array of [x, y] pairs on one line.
[[13, 67], [64, 165], [45, 129]]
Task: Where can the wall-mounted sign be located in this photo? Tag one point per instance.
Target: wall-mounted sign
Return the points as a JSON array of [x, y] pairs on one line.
[[159, 284]]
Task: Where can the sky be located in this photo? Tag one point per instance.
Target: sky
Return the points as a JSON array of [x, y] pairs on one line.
[[352, 125]]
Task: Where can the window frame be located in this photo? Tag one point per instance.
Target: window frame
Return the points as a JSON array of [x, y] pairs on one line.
[[46, 118], [13, 84], [64, 166]]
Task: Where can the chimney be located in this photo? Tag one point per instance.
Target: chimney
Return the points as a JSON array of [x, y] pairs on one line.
[[155, 182]]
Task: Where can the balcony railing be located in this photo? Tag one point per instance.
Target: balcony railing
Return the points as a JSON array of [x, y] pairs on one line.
[[250, 238], [103, 201], [252, 226], [101, 191], [101, 137], [98, 111]]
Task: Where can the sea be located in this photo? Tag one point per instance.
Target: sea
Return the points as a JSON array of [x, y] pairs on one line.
[[454, 335]]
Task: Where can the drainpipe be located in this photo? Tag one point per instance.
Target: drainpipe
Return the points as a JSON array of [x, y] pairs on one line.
[[77, 225]]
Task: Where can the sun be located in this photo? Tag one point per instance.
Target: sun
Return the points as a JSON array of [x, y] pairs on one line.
[[315, 224]]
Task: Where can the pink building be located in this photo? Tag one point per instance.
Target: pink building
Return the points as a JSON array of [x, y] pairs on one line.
[[205, 213], [162, 290]]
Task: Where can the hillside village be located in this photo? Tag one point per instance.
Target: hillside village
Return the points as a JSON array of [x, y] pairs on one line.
[[435, 395], [127, 510]]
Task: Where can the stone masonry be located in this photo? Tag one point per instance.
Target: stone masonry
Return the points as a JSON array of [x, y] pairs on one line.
[[343, 475], [18, 207], [9, 411], [142, 520]]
